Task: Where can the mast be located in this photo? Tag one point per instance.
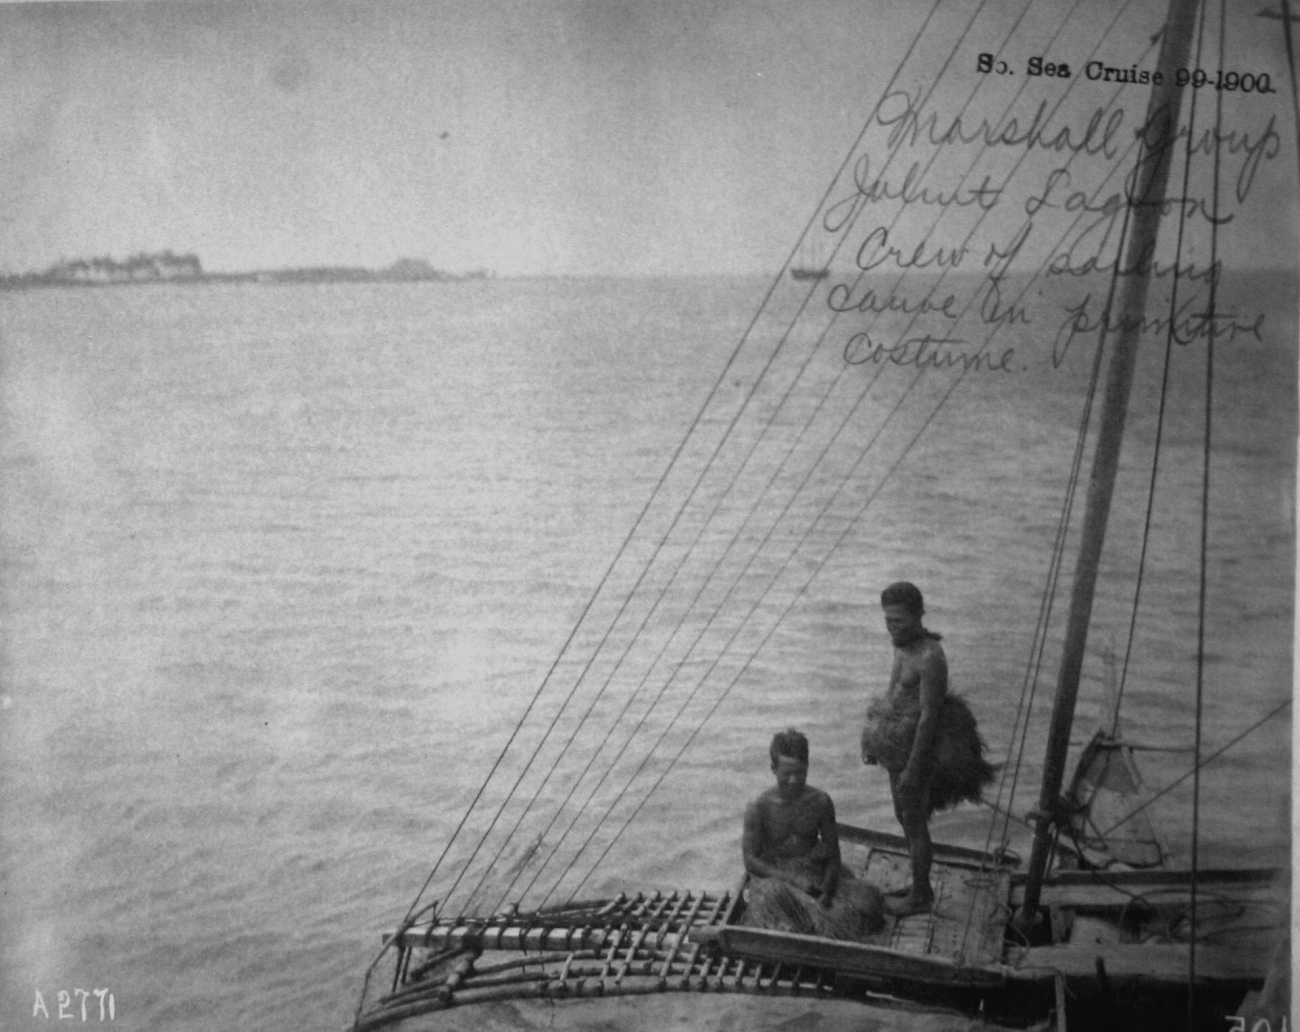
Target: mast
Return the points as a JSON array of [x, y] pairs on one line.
[[1159, 134]]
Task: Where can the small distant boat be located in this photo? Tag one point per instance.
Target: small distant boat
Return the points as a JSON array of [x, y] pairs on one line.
[[811, 263], [800, 272]]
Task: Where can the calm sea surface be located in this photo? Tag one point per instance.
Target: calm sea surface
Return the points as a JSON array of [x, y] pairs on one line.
[[284, 565]]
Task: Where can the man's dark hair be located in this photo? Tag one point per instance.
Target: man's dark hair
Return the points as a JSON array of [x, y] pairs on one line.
[[789, 743], [906, 594]]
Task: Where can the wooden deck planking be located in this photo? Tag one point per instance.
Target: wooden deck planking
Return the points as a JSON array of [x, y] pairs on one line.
[[965, 925]]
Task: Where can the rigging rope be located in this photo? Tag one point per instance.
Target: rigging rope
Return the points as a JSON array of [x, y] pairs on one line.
[[723, 651], [754, 608], [1205, 762], [932, 415], [1290, 64], [1164, 385], [843, 534], [692, 650], [740, 412], [739, 577], [1205, 507], [759, 500], [673, 461]]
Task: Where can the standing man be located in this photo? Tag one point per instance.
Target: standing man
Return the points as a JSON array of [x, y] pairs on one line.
[[923, 736], [918, 684]]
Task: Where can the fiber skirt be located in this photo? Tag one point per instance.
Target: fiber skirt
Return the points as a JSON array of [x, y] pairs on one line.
[[857, 910], [958, 770]]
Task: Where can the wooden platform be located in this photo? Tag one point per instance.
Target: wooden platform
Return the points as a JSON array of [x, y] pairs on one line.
[[957, 945], [645, 918], [690, 942], [628, 946], [965, 926]]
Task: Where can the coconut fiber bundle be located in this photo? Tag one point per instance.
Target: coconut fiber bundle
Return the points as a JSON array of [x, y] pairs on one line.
[[857, 910], [959, 771]]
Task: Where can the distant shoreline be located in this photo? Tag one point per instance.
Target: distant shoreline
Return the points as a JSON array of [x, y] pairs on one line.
[[167, 267]]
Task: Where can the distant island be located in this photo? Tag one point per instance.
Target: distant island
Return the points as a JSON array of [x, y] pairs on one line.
[[167, 267]]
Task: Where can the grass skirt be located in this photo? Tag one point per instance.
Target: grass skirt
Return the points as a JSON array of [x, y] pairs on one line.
[[958, 770], [857, 910]]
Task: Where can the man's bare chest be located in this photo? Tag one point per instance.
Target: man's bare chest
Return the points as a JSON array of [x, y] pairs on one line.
[[905, 678], [786, 819]]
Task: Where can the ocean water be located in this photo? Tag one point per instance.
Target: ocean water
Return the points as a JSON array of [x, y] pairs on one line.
[[283, 567]]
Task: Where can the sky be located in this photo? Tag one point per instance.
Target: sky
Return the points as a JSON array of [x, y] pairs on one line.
[[623, 137]]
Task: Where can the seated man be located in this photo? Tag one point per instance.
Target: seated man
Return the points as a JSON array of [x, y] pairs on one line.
[[792, 853]]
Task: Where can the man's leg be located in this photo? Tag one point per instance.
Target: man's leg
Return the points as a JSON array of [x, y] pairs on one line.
[[905, 890], [913, 810], [922, 850]]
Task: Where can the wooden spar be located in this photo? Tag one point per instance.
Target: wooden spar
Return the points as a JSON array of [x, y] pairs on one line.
[[1159, 134], [1104, 897], [856, 958], [949, 854], [1138, 964]]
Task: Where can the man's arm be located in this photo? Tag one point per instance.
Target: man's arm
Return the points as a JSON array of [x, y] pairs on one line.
[[752, 842], [830, 847], [933, 669]]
